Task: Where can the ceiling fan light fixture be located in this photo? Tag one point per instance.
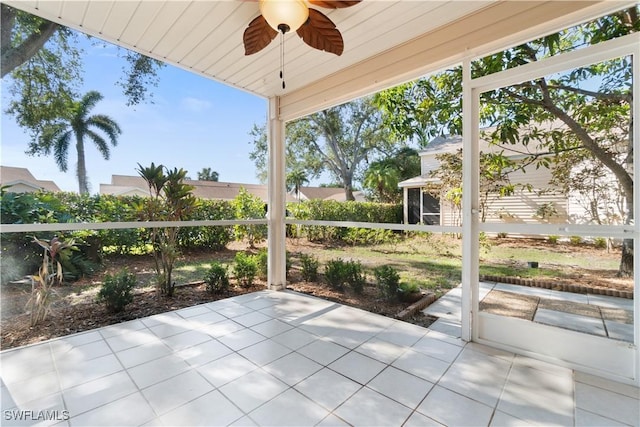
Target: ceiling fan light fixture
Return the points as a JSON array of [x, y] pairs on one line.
[[284, 15]]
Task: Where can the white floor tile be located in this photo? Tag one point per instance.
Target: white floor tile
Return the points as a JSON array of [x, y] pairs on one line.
[[448, 328], [186, 339], [574, 322], [252, 390], [90, 370], [67, 355], [369, 408], [130, 410], [251, 319], [157, 370], [350, 338], [24, 363], [174, 392], [453, 409], [212, 409], [418, 420], [222, 328], [616, 387], [292, 368], [431, 346], [271, 328], [400, 386], [289, 409], [324, 352], [241, 339], [205, 319], [98, 392], [204, 353], [233, 311], [295, 338], [421, 365], [193, 311], [358, 367], [619, 331], [403, 333], [589, 419], [143, 353], [328, 388], [264, 352], [130, 339], [553, 406], [50, 407], [226, 369], [33, 388], [608, 404], [332, 421], [381, 350], [121, 328], [500, 419]]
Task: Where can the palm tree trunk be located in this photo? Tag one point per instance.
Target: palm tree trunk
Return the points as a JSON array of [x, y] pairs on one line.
[[83, 186]]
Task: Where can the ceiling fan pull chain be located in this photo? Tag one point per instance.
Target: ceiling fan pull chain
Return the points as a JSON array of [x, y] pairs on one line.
[[282, 58]]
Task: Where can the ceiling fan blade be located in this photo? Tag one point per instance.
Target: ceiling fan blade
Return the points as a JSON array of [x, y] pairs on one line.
[[334, 4], [321, 33], [258, 35]]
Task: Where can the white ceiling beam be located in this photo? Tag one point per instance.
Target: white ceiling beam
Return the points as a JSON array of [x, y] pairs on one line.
[[476, 35]]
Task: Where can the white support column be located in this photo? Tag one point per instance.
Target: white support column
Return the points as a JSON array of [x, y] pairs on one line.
[[470, 204], [405, 204], [277, 248]]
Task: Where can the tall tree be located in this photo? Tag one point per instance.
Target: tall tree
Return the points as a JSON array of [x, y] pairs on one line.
[[44, 62], [337, 140], [593, 103], [295, 179], [382, 176], [207, 174], [81, 125]]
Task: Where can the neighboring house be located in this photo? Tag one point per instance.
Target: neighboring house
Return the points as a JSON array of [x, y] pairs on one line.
[[324, 193], [20, 180], [124, 185], [535, 199]]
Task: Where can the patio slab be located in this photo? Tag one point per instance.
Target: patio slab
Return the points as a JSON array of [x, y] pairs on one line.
[[281, 358]]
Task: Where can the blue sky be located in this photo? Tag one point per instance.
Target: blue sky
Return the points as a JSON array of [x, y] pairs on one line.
[[193, 123]]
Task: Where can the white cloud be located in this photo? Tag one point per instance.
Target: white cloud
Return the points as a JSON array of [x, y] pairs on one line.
[[195, 105]]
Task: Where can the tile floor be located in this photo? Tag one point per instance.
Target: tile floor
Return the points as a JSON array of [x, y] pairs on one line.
[[284, 359]]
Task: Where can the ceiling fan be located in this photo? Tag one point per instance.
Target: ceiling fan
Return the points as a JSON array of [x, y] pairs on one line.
[[282, 16]]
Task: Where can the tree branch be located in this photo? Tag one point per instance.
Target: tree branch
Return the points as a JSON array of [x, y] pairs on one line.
[[15, 56]]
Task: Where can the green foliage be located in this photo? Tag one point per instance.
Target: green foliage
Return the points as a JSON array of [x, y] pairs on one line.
[[245, 269], [382, 177], [331, 210], [388, 281], [207, 174], [369, 236], [262, 260], [170, 200], [575, 240], [217, 278], [406, 289], [553, 239], [117, 290], [248, 206], [339, 273], [600, 242], [310, 264], [49, 274]]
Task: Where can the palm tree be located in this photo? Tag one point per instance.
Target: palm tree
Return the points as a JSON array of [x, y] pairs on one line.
[[82, 125], [295, 179], [206, 174], [382, 179]]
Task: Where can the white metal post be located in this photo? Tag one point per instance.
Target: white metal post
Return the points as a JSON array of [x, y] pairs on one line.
[[470, 204], [276, 213]]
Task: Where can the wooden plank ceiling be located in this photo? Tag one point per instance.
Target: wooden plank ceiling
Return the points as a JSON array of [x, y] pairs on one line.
[[205, 37]]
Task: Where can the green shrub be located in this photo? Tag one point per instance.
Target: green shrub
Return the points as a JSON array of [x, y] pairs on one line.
[[262, 260], [339, 274], [388, 281], [245, 268], [406, 289], [217, 279], [575, 240], [600, 242], [310, 266], [117, 290], [553, 239]]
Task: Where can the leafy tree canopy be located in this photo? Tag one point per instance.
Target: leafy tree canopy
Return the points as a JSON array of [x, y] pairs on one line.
[[44, 61]]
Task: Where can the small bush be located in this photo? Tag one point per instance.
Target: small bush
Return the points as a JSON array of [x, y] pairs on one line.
[[310, 265], [388, 281], [575, 240], [217, 279], [245, 268], [262, 260], [339, 274], [117, 290], [600, 242], [553, 239], [406, 289]]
